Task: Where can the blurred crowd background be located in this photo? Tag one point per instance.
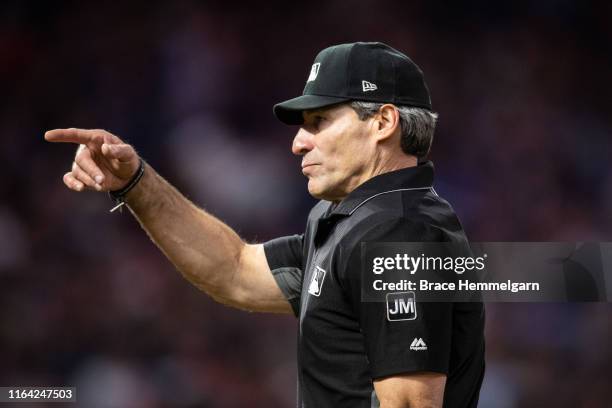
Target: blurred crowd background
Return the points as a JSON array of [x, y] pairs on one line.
[[522, 151]]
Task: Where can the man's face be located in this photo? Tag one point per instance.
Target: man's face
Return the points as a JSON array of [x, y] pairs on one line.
[[337, 151]]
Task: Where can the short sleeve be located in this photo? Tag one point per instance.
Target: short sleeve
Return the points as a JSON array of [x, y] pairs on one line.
[[398, 346], [284, 256]]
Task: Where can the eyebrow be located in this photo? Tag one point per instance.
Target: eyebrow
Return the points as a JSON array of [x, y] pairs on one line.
[[317, 111]]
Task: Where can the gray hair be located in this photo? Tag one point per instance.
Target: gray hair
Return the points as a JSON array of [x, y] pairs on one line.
[[417, 125]]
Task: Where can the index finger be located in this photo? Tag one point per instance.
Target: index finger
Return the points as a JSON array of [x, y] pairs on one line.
[[72, 135]]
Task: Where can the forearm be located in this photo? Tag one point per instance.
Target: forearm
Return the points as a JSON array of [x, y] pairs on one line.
[[205, 250]]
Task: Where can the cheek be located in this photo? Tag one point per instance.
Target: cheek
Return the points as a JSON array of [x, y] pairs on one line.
[[355, 149], [343, 151]]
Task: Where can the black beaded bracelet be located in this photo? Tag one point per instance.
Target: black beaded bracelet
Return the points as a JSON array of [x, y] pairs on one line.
[[118, 195]]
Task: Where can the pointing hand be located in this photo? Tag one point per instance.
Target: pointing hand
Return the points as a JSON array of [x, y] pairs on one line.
[[102, 162]]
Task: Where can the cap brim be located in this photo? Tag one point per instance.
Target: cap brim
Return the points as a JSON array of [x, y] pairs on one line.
[[290, 112]]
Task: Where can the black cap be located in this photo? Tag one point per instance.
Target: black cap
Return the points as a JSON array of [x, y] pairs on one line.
[[361, 71]]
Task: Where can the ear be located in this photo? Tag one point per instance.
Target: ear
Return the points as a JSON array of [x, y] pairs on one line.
[[386, 122]]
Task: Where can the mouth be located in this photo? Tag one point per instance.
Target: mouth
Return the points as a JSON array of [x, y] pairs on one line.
[[307, 167]]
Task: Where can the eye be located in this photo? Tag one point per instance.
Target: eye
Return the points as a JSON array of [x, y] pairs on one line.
[[318, 119]]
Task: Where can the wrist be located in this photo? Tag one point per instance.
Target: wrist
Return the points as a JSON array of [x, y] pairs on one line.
[[118, 196]]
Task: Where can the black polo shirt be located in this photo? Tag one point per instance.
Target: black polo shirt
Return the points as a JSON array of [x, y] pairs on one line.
[[344, 343]]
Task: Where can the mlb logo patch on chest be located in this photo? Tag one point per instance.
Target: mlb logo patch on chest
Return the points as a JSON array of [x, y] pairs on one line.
[[401, 306], [316, 283]]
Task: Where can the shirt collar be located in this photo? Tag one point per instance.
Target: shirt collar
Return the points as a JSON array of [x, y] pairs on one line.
[[419, 176]]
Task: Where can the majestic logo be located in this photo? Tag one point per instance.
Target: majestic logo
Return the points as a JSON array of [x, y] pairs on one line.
[[401, 306], [314, 71], [316, 284], [368, 86], [418, 344]]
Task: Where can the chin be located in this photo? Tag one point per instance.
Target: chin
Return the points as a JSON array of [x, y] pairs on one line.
[[320, 192], [316, 190]]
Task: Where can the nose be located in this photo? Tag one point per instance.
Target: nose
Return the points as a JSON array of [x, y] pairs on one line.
[[302, 142]]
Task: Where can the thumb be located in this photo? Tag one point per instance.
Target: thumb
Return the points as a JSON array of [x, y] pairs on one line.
[[122, 152]]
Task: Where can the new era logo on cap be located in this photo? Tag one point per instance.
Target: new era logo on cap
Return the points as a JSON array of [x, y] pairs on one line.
[[368, 86]]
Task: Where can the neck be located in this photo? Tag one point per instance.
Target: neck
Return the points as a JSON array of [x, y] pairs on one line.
[[378, 167], [389, 164]]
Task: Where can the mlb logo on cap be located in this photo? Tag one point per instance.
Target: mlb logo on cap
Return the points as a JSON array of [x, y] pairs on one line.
[[314, 71]]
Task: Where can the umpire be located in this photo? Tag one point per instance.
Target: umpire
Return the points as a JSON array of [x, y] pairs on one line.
[[365, 126]]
